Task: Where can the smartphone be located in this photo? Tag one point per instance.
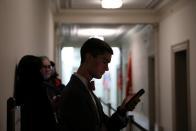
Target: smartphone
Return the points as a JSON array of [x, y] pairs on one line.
[[131, 103]]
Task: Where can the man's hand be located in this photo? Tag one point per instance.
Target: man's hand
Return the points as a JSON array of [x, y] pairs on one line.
[[128, 104]]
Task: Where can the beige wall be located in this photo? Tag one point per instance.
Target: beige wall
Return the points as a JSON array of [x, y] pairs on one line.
[[176, 26], [26, 27]]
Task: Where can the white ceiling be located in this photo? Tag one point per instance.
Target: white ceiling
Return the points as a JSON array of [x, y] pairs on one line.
[[96, 4], [69, 34]]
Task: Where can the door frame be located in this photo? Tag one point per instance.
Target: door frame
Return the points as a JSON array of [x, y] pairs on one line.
[[183, 46]]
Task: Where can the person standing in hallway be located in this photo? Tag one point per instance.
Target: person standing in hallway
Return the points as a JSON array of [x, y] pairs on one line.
[[55, 87], [80, 109], [52, 83], [31, 96]]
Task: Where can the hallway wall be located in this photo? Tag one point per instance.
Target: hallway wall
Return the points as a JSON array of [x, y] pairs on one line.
[[138, 44], [177, 25], [26, 27]]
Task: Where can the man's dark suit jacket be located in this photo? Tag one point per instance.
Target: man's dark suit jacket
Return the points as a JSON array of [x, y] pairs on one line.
[[78, 112]]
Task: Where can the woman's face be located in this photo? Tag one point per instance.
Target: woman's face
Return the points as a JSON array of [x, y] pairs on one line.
[[46, 69]]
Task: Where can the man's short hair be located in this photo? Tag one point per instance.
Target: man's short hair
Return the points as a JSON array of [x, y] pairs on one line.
[[95, 47]]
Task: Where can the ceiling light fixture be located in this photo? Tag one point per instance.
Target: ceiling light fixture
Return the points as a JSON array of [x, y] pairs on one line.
[[111, 4]]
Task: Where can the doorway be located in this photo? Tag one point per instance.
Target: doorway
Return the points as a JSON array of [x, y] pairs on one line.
[[151, 79], [181, 101]]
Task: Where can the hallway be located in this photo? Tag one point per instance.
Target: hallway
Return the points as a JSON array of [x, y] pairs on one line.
[[154, 39]]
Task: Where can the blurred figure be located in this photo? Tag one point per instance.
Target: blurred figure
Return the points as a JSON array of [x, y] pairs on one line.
[[31, 95], [54, 86], [52, 83]]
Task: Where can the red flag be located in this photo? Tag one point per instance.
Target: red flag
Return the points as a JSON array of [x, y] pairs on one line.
[[129, 77]]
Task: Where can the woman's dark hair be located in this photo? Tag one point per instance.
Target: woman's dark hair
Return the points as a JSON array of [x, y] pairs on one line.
[[27, 75], [29, 67]]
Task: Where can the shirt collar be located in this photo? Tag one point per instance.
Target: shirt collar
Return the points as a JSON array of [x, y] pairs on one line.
[[83, 79]]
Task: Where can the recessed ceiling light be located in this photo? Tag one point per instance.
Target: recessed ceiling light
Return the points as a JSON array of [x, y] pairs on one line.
[[111, 4]]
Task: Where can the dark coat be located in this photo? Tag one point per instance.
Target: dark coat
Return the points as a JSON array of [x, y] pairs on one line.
[[78, 111]]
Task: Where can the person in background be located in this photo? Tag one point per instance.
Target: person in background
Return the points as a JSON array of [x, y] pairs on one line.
[[80, 109], [55, 87], [31, 96], [52, 83]]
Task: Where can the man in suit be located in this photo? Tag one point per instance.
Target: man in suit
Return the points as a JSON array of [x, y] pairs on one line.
[[80, 109]]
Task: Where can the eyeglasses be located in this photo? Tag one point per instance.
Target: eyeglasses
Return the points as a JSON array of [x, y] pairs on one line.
[[47, 66]]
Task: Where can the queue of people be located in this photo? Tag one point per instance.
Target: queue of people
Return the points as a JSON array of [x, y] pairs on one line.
[[37, 92], [47, 104], [31, 96]]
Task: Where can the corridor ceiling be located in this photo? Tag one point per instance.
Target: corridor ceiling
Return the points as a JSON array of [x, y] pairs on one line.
[[96, 4], [69, 34]]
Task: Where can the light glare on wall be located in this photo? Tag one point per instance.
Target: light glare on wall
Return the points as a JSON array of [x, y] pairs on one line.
[[111, 4]]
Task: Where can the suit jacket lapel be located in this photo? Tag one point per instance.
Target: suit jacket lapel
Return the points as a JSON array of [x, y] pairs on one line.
[[86, 95]]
